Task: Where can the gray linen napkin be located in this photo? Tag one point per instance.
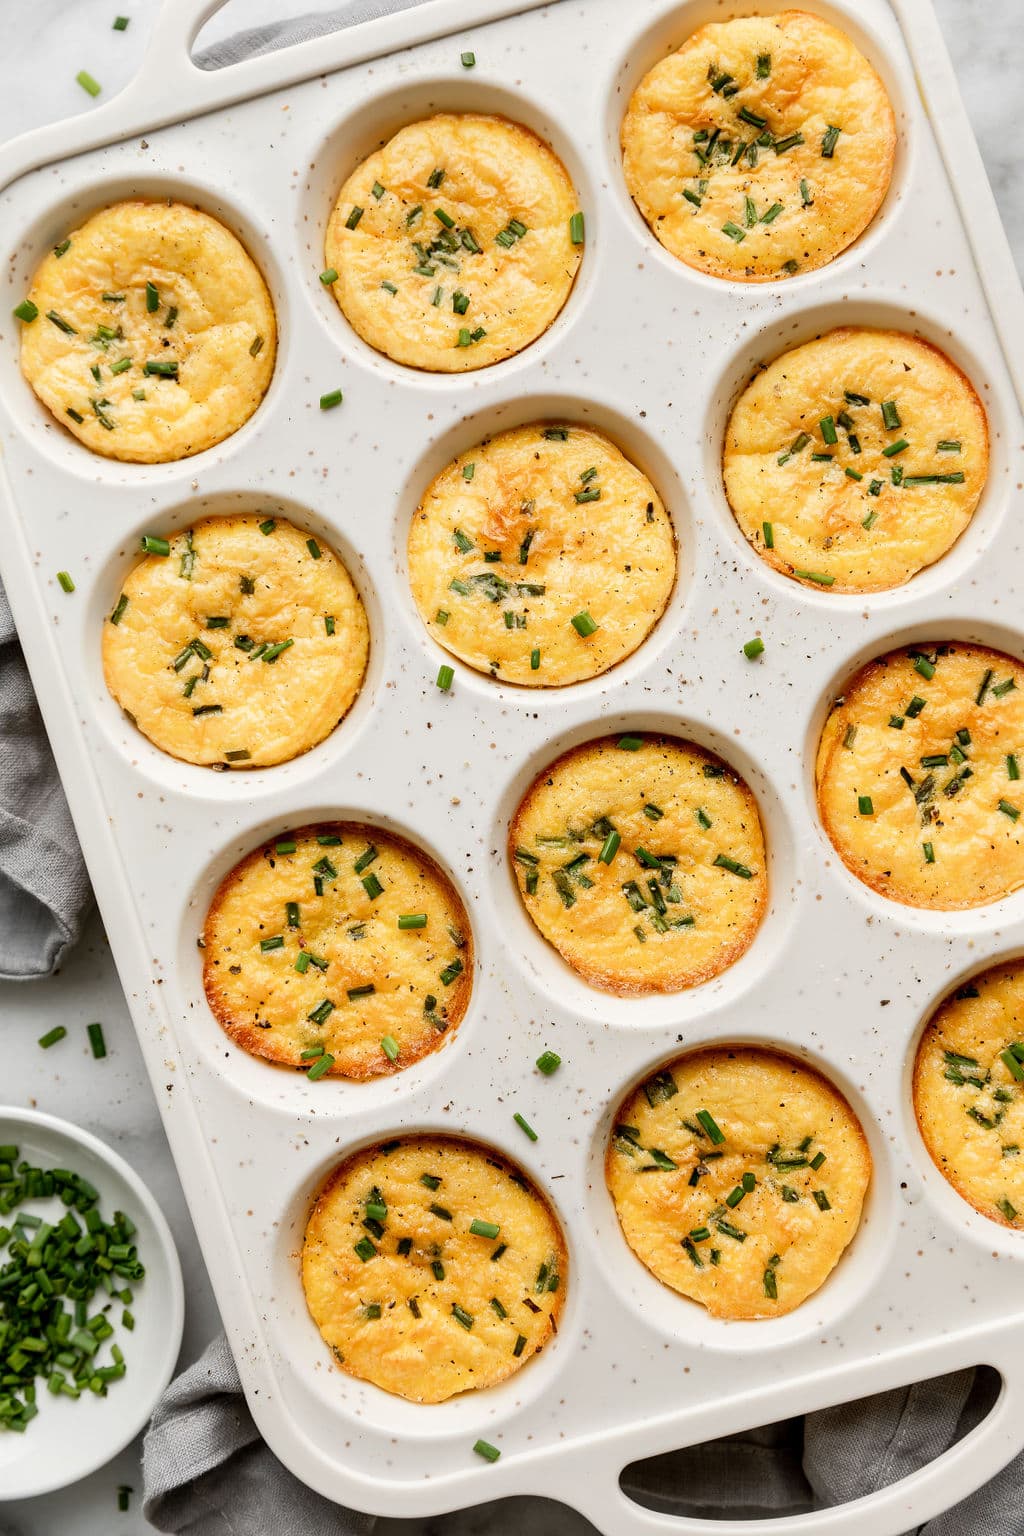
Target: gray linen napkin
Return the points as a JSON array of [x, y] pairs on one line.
[[44, 889]]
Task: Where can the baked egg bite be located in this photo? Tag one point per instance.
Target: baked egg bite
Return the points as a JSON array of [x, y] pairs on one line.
[[917, 775], [456, 244], [761, 148], [738, 1176], [152, 333], [433, 1266], [852, 462], [642, 860], [541, 556], [340, 949], [969, 1091], [239, 642]]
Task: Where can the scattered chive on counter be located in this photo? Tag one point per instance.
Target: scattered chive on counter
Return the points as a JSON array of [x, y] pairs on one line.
[[445, 678], [548, 1062], [65, 581], [86, 81], [525, 1126], [467, 60], [753, 649], [488, 1451], [330, 400]]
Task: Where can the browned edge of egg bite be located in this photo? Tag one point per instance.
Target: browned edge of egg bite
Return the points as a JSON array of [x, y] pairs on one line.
[[260, 1042]]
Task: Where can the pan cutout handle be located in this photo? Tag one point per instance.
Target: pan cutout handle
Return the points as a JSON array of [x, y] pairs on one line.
[[170, 87], [595, 1486]]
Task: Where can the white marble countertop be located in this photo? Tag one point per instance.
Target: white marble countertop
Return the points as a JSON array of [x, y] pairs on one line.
[[46, 44]]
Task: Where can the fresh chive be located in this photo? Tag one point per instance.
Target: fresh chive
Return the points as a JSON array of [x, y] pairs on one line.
[[957, 477], [753, 649], [890, 416], [769, 535], [535, 659], [828, 429], [412, 920], [1009, 810], [445, 677], [86, 81], [576, 229], [948, 445], [389, 1045], [583, 624], [711, 1126], [26, 311], [65, 582], [630, 743], [388, 287], [525, 1126], [330, 400], [96, 1041], [925, 667], [119, 608], [828, 143], [161, 368], [805, 195], [372, 886], [610, 847], [821, 578], [329, 276], [733, 231], [723, 861], [354, 216], [1012, 767], [1008, 1210], [891, 449], [486, 1450], [928, 850], [780, 146], [480, 1228], [61, 324], [467, 60], [865, 806], [52, 1036]]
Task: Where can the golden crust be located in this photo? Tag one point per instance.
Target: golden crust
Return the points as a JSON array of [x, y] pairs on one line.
[[816, 510], [816, 80], [762, 1103], [615, 561], [273, 711], [594, 927], [213, 317], [978, 848], [430, 1354], [494, 172], [964, 1127], [354, 941]]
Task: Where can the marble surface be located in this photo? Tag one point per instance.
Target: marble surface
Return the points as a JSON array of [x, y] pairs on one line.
[[45, 45]]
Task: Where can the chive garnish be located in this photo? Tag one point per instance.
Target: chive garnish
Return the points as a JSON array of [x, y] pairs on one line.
[[26, 311], [160, 367], [928, 850], [1009, 810], [86, 81], [330, 400], [828, 143], [525, 1126], [52, 1036], [60, 323], [769, 535], [723, 861], [711, 1126], [630, 743], [583, 624], [354, 216], [890, 416], [609, 848], [865, 805], [445, 677], [486, 1450], [65, 581], [780, 146], [119, 608], [753, 648], [576, 229], [891, 449], [480, 1228], [733, 231]]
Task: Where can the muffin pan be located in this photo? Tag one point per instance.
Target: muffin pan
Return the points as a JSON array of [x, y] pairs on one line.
[[654, 354]]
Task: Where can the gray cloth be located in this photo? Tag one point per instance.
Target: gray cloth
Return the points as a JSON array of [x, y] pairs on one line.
[[44, 889]]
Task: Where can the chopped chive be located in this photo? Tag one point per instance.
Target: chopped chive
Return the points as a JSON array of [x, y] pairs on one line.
[[525, 1126], [805, 197], [96, 1041], [388, 287], [535, 659], [389, 1045], [723, 861], [412, 920], [925, 667], [254, 350], [871, 519], [480, 1228], [583, 624], [769, 535], [86, 81], [153, 545], [610, 847], [364, 1248], [780, 146], [890, 416], [372, 886], [828, 429], [828, 143], [26, 311], [1012, 767], [891, 449], [733, 231], [576, 229], [753, 649], [314, 548], [354, 217], [486, 1450], [65, 581], [821, 1200], [321, 1013], [52, 1036], [929, 853], [1009, 810], [445, 677], [161, 368], [865, 806], [957, 477], [630, 743], [771, 1288], [467, 60], [329, 276], [61, 324], [119, 608], [330, 400], [711, 1126]]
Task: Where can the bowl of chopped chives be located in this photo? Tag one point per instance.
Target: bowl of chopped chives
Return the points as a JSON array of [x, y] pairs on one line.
[[91, 1303]]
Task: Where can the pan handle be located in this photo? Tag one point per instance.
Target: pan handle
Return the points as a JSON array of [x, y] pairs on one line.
[[594, 1488]]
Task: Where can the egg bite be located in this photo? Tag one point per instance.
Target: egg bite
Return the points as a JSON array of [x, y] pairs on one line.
[[340, 949], [237, 643], [541, 556], [738, 1176], [433, 1266], [917, 775], [455, 245], [761, 148], [153, 335], [854, 461], [969, 1091], [642, 860]]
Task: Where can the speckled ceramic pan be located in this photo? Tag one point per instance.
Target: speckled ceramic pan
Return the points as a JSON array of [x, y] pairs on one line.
[[653, 354]]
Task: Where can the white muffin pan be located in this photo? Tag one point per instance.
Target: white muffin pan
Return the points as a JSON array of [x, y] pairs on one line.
[[837, 975]]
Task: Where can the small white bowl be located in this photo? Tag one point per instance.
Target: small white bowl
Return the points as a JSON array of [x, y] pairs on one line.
[[69, 1439]]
